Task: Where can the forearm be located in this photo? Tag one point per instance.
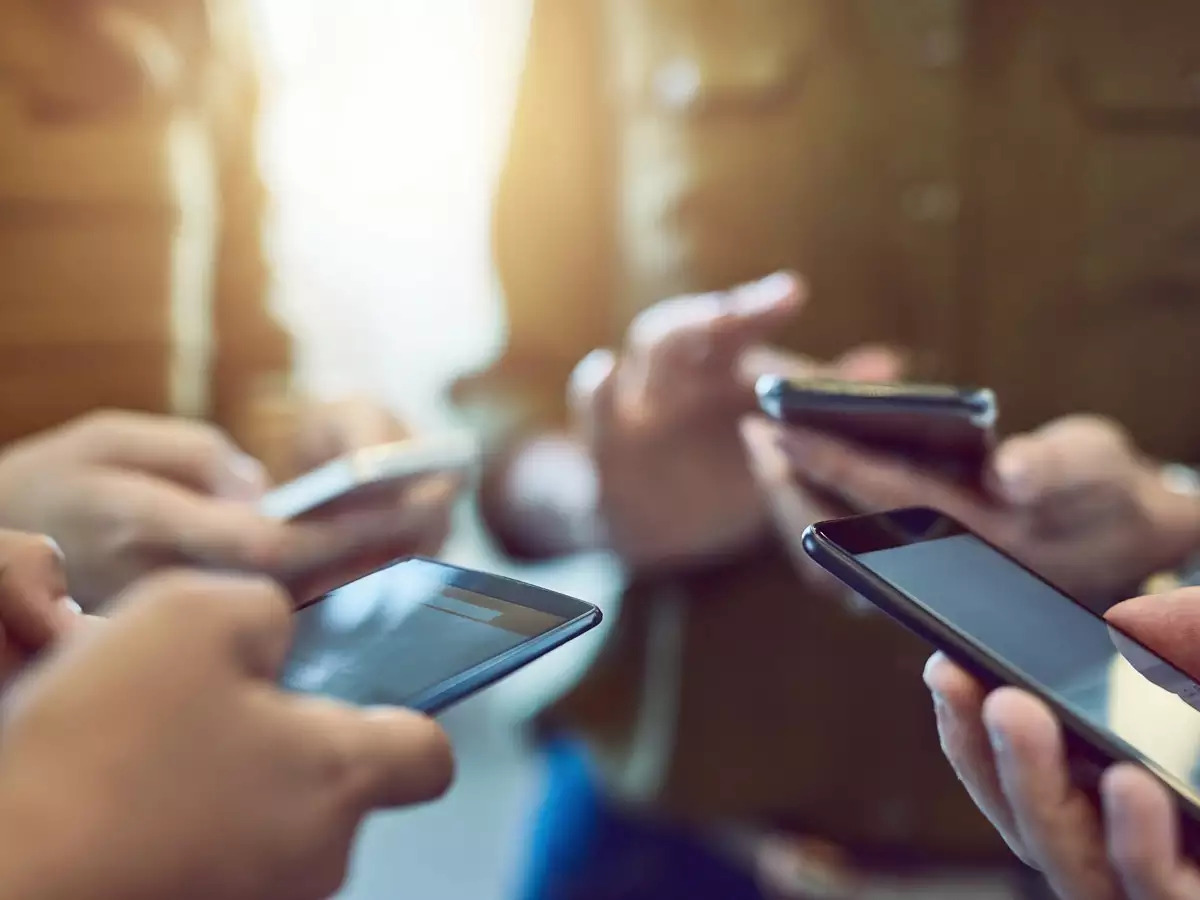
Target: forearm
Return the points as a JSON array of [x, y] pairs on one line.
[[542, 498]]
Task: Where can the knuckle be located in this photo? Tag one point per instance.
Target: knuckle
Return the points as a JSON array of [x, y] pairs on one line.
[[126, 534], [103, 421], [210, 447], [1092, 427], [657, 325]]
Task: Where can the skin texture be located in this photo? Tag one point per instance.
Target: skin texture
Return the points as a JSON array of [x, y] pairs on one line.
[[153, 755], [1074, 500], [126, 494], [654, 451]]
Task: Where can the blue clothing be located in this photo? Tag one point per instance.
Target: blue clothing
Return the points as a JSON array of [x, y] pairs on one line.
[[582, 847]]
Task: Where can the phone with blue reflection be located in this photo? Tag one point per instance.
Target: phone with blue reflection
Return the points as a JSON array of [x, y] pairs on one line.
[[426, 635]]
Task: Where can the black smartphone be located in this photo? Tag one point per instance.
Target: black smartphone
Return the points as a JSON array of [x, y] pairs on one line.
[[1118, 700], [952, 428], [425, 635]]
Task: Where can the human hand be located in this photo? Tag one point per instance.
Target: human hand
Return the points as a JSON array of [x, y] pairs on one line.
[[293, 434], [1009, 752], [327, 430], [35, 609], [156, 757], [125, 495], [1074, 501], [660, 420]]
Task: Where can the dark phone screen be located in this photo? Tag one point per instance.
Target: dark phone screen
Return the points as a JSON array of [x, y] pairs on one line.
[[394, 635], [1100, 674]]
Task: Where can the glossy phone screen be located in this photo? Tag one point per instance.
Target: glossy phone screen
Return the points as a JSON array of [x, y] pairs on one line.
[[1067, 651], [400, 636]]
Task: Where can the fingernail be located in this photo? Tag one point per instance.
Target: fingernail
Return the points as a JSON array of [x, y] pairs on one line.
[[765, 294], [1014, 476], [248, 478], [54, 545], [68, 613], [927, 673], [998, 741], [591, 372]]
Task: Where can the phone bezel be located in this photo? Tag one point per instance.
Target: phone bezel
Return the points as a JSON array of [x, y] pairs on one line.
[[578, 618], [777, 396], [1095, 748]]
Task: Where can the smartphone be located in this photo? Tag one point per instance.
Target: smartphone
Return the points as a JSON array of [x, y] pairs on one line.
[[1117, 699], [948, 427], [425, 635], [370, 471]]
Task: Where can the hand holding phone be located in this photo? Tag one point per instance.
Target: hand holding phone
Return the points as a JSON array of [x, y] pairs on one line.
[[370, 475], [1074, 499], [424, 635], [1118, 700], [949, 428], [1123, 846]]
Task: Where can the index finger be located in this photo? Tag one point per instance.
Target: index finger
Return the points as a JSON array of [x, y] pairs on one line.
[[958, 704], [190, 453], [1055, 819], [311, 558], [689, 347], [872, 482]]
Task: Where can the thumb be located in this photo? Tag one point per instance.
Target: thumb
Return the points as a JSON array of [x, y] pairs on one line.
[[592, 396], [395, 757], [1168, 624], [1067, 453]]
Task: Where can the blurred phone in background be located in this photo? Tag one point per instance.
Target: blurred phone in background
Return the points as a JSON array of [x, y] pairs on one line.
[[372, 474], [949, 428]]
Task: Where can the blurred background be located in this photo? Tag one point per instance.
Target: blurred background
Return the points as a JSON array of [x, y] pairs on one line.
[[384, 127], [384, 271], [1003, 193]]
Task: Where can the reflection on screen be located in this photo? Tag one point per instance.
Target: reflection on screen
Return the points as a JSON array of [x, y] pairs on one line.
[[1095, 671], [393, 636]]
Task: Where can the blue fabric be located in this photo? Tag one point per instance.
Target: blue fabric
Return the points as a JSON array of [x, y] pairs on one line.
[[583, 848]]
